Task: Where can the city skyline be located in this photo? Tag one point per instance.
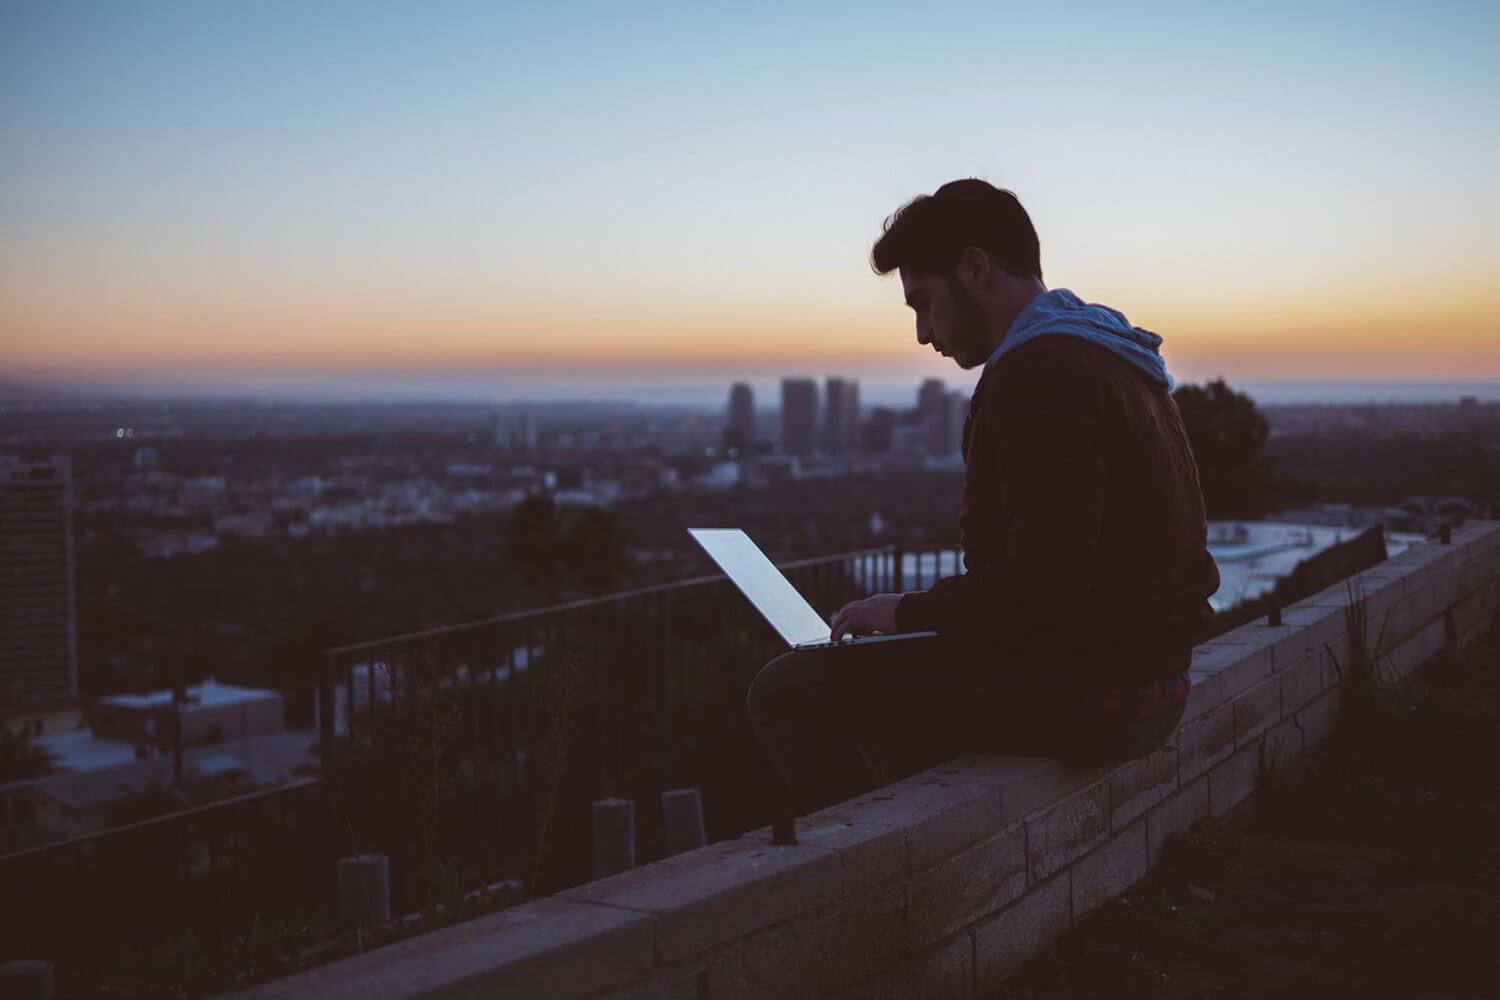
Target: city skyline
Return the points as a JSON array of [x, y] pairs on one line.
[[252, 194]]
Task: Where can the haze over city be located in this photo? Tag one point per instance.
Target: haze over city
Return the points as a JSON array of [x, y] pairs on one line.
[[483, 200]]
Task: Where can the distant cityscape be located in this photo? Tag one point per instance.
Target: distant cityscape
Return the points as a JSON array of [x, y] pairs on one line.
[[170, 500], [577, 455]]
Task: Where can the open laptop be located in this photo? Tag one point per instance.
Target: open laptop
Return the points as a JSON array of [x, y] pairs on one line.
[[773, 594]]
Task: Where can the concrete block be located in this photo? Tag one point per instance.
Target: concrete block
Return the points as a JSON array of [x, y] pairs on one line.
[[719, 893], [1430, 602], [1405, 658], [1283, 750], [1334, 596], [858, 937], [966, 887], [1106, 872], [1232, 781], [1175, 814], [780, 961], [1026, 785], [548, 948], [869, 853], [1136, 786], [1395, 624], [1005, 941], [1468, 615], [1334, 663], [939, 813], [1232, 666], [683, 981], [1257, 710], [946, 970], [1302, 683], [1204, 697], [1473, 575], [1067, 831], [1380, 589], [1318, 718], [1320, 622], [1286, 642], [1204, 742], [1491, 594]]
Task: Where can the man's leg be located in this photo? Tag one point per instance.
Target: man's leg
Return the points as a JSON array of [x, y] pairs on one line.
[[820, 713]]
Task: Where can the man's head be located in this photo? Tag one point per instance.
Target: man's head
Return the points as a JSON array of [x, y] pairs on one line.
[[969, 261]]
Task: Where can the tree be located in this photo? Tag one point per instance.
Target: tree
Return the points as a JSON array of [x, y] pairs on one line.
[[1228, 434], [594, 549], [534, 542]]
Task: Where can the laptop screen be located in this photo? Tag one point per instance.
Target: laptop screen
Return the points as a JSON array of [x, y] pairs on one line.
[[760, 581]]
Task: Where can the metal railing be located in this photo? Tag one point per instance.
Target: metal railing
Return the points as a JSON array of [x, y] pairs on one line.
[[213, 870], [466, 754], [472, 751]]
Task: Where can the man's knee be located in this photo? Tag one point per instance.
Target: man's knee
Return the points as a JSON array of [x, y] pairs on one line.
[[771, 692]]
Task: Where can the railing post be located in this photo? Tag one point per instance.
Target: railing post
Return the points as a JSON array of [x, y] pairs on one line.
[[682, 811], [25, 979], [898, 572], [614, 836], [328, 772]]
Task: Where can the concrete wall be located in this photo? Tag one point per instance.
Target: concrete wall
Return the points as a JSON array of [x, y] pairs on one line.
[[940, 885]]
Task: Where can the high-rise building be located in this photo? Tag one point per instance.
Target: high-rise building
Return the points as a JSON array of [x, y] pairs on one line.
[[799, 416], [956, 414], [840, 415], [932, 413], [38, 617], [517, 432], [739, 428], [875, 435]]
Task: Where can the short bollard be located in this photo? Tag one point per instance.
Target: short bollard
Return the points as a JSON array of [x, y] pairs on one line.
[[1274, 618], [682, 809], [26, 979], [364, 890], [614, 836], [1445, 533]]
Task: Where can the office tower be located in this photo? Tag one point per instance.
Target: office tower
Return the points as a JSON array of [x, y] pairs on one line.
[[875, 435], [38, 618], [516, 432], [799, 416], [840, 415], [739, 428], [956, 413], [932, 414]]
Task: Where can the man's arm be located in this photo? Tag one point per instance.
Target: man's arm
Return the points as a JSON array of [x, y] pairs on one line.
[[1041, 439]]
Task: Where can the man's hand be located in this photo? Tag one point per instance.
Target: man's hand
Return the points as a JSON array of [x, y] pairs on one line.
[[873, 614]]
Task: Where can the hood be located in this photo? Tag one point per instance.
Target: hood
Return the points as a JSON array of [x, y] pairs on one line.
[[1059, 311]]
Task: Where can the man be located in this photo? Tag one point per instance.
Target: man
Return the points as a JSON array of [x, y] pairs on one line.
[[1082, 525]]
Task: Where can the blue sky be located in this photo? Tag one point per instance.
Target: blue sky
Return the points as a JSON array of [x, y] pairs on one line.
[[255, 187]]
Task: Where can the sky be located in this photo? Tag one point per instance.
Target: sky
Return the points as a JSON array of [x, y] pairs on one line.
[[652, 194]]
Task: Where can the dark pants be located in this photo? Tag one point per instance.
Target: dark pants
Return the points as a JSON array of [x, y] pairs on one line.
[[838, 721]]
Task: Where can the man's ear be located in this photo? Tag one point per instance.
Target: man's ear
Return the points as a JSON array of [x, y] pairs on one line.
[[975, 269]]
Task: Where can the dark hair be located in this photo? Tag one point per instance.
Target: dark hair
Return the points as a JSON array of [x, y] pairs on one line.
[[929, 234]]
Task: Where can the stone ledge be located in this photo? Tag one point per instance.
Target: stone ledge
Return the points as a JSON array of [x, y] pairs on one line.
[[550, 947], [712, 895], [954, 875]]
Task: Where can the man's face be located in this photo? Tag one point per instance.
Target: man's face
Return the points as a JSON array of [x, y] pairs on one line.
[[949, 318]]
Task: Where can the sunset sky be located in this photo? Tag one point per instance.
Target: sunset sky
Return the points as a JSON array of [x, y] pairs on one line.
[[630, 192]]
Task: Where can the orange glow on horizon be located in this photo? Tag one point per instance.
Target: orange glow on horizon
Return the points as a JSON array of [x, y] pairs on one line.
[[1382, 332]]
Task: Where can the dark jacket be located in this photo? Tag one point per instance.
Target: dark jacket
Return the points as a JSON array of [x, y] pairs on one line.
[[1082, 522]]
